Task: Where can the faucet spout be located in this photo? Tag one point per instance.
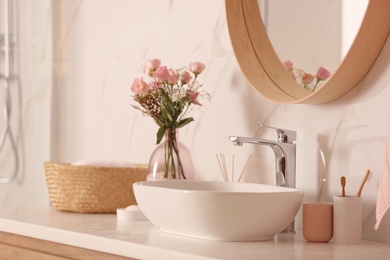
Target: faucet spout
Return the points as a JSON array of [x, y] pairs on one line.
[[239, 140]]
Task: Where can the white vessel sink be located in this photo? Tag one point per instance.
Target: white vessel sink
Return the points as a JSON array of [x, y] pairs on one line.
[[216, 210]]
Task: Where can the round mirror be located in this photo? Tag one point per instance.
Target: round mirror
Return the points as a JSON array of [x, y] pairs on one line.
[[266, 73]]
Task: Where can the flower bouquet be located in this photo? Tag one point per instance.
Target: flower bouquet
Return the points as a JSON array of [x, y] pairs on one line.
[[167, 98]]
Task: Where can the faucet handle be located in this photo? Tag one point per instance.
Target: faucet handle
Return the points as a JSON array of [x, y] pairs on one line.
[[284, 135]]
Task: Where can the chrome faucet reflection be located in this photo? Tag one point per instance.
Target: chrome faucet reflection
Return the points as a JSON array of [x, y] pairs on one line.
[[285, 156]]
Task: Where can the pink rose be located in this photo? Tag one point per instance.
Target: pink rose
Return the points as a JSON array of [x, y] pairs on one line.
[[193, 96], [162, 73], [288, 65], [153, 85], [139, 86], [307, 78], [186, 77], [172, 77], [151, 66], [197, 67], [323, 73]]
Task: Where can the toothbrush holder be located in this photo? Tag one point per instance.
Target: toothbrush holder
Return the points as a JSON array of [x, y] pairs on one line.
[[347, 217]]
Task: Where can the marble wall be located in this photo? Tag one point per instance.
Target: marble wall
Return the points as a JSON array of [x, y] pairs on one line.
[[79, 93]]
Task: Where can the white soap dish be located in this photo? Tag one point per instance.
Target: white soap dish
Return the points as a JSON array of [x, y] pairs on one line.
[[131, 213]]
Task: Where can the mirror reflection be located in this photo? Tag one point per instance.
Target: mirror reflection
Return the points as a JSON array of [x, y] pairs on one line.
[[312, 33]]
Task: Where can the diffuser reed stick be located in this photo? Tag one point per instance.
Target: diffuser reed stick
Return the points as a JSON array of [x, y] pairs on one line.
[[233, 167], [222, 166], [242, 172]]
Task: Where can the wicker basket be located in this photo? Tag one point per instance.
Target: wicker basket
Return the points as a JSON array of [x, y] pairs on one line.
[[89, 189]]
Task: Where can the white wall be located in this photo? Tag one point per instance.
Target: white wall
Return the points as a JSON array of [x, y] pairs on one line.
[[101, 46]]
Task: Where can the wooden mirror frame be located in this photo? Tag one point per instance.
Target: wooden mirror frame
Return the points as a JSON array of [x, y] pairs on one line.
[[265, 72]]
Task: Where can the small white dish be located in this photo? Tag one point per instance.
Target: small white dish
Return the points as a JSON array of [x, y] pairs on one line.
[[131, 213]]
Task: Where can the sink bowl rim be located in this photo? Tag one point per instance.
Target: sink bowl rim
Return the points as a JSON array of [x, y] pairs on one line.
[[192, 186]]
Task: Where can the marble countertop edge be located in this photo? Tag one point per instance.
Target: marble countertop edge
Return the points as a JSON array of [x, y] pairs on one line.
[[92, 242]]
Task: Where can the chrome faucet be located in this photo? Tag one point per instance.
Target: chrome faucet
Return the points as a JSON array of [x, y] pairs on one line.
[[285, 157]]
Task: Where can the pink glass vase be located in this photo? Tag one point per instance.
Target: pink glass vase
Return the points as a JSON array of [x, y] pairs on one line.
[[171, 159]]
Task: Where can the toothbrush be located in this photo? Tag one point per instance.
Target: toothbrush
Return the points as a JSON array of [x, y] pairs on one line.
[[359, 193], [343, 183]]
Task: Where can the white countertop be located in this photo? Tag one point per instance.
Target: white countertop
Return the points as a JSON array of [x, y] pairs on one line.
[[102, 232]]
